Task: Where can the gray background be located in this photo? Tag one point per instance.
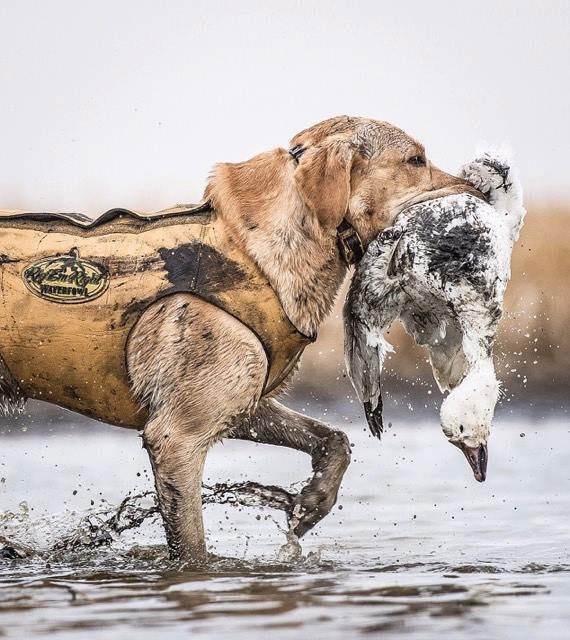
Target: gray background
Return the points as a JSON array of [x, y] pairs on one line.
[[131, 103]]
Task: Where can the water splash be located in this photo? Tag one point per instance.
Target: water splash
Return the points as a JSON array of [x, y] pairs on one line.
[[103, 527], [291, 551], [250, 494]]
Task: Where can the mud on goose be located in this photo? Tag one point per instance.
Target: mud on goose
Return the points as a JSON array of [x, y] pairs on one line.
[[442, 269]]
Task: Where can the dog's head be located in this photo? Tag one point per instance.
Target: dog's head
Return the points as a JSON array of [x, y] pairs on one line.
[[366, 171]]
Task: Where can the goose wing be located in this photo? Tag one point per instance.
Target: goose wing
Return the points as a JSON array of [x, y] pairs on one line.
[[374, 301]]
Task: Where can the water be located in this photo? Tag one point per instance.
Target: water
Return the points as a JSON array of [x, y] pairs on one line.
[[414, 547]]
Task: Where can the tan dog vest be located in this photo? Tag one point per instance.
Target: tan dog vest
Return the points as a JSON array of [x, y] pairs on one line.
[[73, 289]]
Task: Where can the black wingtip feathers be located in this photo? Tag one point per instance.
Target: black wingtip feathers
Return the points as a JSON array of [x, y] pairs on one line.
[[374, 418]]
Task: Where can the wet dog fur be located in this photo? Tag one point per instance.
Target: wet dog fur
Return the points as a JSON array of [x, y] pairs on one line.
[[201, 372]]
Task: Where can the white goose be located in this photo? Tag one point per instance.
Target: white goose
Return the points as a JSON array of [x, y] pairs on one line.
[[442, 269]]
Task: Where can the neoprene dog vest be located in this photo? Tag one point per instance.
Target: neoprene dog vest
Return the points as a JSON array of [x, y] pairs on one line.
[[73, 289]]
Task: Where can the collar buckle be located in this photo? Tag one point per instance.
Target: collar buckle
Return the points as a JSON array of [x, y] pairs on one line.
[[296, 152], [349, 242]]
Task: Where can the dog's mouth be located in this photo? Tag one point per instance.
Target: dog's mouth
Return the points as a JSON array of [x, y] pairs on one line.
[[441, 192]]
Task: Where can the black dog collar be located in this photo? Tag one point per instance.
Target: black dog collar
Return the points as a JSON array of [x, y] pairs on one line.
[[296, 152], [349, 242]]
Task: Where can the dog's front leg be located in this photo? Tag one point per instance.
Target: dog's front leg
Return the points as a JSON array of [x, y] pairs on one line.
[[177, 459], [275, 424], [198, 369]]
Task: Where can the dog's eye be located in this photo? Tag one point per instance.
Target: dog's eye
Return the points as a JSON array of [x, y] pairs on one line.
[[417, 161]]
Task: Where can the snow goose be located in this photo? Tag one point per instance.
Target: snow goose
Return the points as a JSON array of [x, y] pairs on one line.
[[442, 269]]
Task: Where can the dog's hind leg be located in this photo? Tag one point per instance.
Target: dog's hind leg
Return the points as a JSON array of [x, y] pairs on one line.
[[198, 369], [272, 423]]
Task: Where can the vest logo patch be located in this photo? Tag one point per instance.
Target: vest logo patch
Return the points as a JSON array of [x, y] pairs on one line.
[[66, 279]]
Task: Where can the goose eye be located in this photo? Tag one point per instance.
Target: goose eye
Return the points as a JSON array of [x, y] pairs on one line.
[[417, 161], [461, 428]]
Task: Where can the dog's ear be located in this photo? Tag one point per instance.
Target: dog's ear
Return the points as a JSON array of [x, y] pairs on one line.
[[323, 180]]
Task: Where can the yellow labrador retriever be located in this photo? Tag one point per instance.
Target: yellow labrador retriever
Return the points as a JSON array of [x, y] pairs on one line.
[[204, 355]]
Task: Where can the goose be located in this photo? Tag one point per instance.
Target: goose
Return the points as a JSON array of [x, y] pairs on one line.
[[442, 269]]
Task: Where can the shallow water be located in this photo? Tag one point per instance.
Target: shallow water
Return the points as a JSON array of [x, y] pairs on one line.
[[415, 546]]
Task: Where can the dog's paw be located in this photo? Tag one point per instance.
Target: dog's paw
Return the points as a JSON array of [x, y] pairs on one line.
[[318, 496], [311, 506]]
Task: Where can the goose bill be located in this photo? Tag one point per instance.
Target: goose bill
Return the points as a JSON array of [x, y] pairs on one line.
[[477, 458]]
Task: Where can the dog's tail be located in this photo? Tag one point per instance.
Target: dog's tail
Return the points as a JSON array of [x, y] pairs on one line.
[[493, 173], [12, 398]]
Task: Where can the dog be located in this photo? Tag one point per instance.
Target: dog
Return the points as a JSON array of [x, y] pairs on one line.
[[301, 216]]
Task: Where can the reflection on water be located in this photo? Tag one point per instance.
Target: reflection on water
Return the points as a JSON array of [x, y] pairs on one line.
[[415, 547], [138, 595]]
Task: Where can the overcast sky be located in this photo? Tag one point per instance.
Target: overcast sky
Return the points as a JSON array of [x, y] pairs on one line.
[[130, 103]]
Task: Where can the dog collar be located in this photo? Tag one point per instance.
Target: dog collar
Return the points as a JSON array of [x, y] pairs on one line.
[[349, 242], [296, 152]]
